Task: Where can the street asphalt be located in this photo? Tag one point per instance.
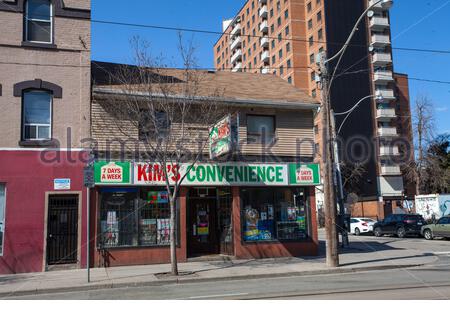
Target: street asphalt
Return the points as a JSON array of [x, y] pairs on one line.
[[431, 281]]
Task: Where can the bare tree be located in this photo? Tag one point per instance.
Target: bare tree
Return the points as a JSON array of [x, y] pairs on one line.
[[352, 174], [437, 169], [168, 114], [423, 132]]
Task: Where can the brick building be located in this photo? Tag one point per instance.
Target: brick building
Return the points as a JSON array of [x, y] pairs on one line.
[[45, 103], [283, 38], [247, 212]]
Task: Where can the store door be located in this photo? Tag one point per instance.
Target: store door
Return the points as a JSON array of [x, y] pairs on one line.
[[387, 208], [62, 229], [202, 227]]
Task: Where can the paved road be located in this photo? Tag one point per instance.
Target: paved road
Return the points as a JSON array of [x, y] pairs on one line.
[[428, 282]]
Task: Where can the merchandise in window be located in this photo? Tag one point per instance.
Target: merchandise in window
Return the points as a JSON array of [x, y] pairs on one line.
[[132, 217], [270, 214]]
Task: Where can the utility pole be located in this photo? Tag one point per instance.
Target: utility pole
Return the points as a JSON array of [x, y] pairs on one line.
[[332, 256]]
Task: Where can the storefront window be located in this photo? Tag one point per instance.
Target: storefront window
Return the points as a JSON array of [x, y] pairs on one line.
[[134, 217], [270, 214]]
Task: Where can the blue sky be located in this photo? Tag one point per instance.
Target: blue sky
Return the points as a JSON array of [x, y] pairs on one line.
[[415, 24]]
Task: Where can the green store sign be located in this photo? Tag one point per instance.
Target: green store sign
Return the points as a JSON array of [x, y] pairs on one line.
[[304, 174], [112, 172], [208, 174]]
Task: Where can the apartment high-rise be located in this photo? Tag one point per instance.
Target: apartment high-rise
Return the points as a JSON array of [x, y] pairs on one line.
[[283, 37]]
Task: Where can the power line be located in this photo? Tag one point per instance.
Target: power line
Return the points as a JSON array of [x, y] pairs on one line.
[[203, 31], [226, 69]]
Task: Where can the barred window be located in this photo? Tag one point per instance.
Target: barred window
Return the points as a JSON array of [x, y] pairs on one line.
[[134, 217]]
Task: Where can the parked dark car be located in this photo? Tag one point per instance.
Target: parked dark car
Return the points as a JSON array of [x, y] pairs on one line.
[[400, 225]]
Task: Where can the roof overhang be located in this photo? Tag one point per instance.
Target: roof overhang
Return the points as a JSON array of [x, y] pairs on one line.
[[223, 100]]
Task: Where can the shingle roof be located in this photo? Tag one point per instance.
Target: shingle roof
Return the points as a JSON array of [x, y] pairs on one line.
[[232, 86]]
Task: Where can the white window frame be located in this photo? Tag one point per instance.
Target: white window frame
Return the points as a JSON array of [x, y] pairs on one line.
[[37, 125], [38, 20], [3, 223]]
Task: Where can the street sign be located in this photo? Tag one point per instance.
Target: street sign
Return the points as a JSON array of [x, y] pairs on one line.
[[88, 177]]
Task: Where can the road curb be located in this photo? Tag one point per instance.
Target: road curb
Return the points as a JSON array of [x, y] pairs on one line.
[[134, 284]]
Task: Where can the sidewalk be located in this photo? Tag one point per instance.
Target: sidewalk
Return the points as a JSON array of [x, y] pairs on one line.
[[361, 256]]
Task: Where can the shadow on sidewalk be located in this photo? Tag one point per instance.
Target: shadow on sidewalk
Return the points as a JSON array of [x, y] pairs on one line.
[[386, 259]]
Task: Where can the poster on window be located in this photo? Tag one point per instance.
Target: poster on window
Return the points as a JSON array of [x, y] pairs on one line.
[[157, 197], [110, 229], [202, 223], [147, 231], [163, 235]]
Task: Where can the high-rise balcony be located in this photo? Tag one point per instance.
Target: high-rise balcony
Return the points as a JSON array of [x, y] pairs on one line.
[[264, 42], [379, 6], [386, 114], [380, 40], [383, 76], [389, 151], [237, 67], [237, 56], [381, 59], [378, 23], [387, 131], [236, 30], [390, 170], [264, 27], [263, 11], [386, 93], [236, 43], [265, 56]]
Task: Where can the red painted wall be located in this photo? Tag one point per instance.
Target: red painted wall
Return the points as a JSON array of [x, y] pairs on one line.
[[27, 178]]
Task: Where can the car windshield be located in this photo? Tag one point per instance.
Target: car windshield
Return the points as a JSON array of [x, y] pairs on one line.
[[368, 220]]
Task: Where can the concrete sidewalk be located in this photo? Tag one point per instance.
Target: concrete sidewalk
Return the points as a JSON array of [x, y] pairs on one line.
[[361, 256]]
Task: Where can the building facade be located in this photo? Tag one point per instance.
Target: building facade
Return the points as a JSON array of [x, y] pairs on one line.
[[284, 37], [253, 204], [45, 102]]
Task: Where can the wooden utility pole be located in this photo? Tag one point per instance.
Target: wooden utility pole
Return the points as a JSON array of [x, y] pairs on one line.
[[332, 256]]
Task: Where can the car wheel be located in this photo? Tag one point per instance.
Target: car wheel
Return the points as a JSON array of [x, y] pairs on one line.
[[428, 235], [377, 232], [357, 232], [401, 232]]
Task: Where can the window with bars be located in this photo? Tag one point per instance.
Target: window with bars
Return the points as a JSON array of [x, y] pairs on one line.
[[134, 217]]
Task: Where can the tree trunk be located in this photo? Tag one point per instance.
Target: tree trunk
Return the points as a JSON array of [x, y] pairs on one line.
[[173, 238]]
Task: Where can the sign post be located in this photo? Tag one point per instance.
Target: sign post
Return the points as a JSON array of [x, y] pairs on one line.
[[88, 180]]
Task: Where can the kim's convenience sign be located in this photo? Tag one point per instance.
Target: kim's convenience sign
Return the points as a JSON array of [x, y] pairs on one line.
[[207, 174], [223, 174]]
